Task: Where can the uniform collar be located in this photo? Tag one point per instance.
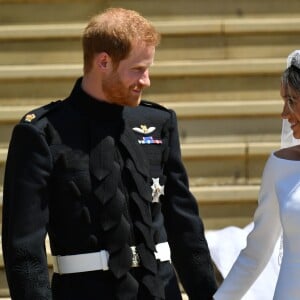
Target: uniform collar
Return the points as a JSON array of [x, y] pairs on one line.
[[92, 106]]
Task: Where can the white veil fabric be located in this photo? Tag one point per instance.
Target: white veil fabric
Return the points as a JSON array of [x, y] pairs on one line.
[[287, 138], [225, 246]]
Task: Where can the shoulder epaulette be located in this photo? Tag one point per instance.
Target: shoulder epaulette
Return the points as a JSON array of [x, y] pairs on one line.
[[38, 113], [153, 104]]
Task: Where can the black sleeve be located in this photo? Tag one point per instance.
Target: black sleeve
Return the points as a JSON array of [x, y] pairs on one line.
[[25, 214], [189, 248]]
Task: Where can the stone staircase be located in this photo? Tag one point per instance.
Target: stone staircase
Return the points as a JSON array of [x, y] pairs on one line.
[[218, 67]]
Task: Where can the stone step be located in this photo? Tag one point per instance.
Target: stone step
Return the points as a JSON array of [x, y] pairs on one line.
[[224, 130], [29, 11], [194, 38], [171, 68], [221, 205], [218, 154], [184, 110], [215, 164], [235, 161], [199, 122], [241, 160], [226, 205], [239, 8], [166, 26], [174, 81]]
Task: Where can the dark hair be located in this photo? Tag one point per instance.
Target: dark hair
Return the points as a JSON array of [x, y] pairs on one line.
[[291, 77]]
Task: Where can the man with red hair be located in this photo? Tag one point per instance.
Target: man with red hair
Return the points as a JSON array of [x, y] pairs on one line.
[[101, 173]]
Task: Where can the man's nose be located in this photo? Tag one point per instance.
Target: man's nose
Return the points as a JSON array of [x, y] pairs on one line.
[[145, 79]]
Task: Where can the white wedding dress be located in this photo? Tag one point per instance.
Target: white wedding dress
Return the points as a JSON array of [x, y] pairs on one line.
[[278, 211]]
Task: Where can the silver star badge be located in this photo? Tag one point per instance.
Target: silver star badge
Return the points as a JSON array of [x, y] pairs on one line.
[[157, 190]]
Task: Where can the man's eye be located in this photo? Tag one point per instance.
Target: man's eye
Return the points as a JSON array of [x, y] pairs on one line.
[[140, 69]]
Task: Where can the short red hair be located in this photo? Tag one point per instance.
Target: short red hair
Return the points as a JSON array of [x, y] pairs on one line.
[[114, 31]]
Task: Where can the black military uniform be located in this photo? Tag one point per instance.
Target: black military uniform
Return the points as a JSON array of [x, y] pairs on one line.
[[99, 176]]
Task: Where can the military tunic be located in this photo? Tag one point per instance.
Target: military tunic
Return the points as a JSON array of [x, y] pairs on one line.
[[95, 176]]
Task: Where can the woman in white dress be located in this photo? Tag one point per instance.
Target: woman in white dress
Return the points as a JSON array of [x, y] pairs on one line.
[[278, 210]]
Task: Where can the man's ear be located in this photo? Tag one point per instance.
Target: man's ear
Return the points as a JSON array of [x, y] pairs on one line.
[[103, 60]]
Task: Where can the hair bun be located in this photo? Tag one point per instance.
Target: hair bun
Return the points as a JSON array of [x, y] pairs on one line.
[[293, 59]]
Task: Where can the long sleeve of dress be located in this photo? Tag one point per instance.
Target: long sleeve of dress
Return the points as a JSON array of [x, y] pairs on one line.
[[260, 241]]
